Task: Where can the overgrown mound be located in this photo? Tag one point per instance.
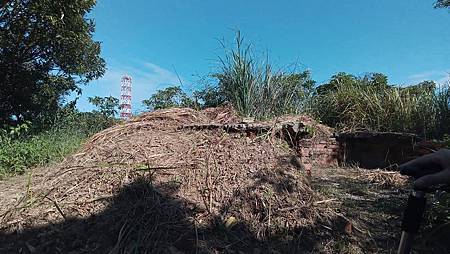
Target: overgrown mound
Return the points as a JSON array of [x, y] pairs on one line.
[[151, 184]]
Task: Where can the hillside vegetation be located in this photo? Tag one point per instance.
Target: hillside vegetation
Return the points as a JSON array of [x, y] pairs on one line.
[[346, 102]]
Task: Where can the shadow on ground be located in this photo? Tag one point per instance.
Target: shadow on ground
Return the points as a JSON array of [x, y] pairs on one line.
[[378, 210], [143, 218]]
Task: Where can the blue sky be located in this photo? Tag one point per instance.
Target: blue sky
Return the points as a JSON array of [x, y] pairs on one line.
[[157, 41]]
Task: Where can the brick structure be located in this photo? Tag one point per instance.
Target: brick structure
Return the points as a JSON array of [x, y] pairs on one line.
[[382, 149], [363, 149], [323, 152]]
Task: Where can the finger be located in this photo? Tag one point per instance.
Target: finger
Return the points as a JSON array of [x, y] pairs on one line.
[[421, 166], [442, 177]]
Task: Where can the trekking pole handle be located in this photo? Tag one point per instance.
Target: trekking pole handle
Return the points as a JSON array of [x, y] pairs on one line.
[[412, 218]]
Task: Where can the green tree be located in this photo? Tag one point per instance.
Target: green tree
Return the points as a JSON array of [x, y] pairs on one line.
[[170, 97], [375, 80], [378, 80], [107, 106], [442, 4], [46, 52], [335, 82], [209, 96]]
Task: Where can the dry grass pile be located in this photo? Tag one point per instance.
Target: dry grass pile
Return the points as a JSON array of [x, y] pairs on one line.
[[147, 184], [383, 178]]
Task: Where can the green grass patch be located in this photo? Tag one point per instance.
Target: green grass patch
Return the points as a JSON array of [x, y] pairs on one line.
[[17, 155], [20, 150]]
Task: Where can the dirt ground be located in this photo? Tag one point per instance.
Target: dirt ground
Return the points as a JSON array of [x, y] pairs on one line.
[[374, 206]]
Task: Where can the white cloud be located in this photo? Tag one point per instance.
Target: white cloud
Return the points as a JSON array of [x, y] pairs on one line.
[[439, 76]]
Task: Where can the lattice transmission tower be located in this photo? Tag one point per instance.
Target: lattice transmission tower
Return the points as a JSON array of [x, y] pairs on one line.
[[125, 97]]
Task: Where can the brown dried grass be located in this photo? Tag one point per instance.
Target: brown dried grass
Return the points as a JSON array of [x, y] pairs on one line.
[[217, 174], [383, 178]]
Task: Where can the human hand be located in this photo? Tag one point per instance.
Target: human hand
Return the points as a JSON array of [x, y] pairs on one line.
[[428, 170]]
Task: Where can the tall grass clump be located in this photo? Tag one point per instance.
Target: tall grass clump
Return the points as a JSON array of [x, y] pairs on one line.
[[21, 147], [255, 89], [442, 107], [421, 109]]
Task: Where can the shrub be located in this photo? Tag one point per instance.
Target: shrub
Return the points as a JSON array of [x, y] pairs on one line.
[[169, 97], [352, 104], [108, 106], [209, 96]]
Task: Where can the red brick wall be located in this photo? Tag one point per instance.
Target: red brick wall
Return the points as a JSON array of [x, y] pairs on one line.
[[323, 152], [367, 150]]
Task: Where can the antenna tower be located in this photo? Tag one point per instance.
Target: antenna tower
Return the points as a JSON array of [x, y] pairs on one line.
[[125, 97]]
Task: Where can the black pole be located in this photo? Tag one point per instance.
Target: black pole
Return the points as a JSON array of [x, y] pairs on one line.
[[412, 217]]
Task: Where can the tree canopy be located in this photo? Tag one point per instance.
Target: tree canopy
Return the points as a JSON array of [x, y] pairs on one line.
[[442, 4], [375, 80], [107, 106], [46, 52], [170, 97]]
